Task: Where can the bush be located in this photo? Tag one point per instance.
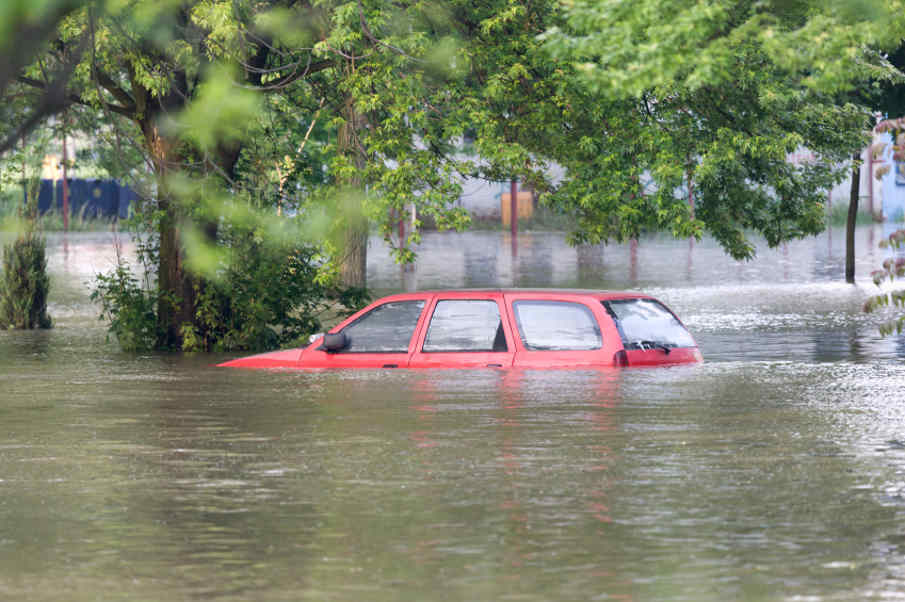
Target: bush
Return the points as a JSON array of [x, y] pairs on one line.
[[24, 283], [131, 310], [270, 298]]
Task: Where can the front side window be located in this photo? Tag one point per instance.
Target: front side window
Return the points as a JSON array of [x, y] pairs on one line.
[[465, 325], [387, 328], [556, 326], [645, 323]]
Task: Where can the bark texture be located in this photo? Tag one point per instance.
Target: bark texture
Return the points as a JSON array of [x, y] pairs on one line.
[[354, 258], [852, 218]]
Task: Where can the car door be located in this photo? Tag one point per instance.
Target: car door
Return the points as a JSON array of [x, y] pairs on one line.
[[382, 336], [465, 330], [559, 331]]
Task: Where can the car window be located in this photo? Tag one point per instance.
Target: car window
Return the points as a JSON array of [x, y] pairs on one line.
[[387, 328], [643, 323], [465, 325], [556, 325]]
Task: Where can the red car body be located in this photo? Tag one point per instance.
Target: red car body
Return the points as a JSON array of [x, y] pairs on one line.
[[533, 329]]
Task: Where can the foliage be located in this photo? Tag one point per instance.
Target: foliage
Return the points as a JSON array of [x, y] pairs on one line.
[[24, 283], [25, 28], [628, 49], [269, 298], [233, 108], [704, 109], [250, 112], [129, 308], [10, 201], [893, 268]]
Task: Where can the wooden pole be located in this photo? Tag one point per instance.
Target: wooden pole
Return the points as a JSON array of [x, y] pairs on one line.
[[65, 184], [513, 213], [513, 207], [852, 217]]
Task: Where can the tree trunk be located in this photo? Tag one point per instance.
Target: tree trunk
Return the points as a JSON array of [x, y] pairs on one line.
[[175, 285], [852, 218], [353, 271], [354, 258]]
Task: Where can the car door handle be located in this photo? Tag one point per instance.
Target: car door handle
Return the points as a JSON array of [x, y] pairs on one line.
[[391, 365], [494, 365]]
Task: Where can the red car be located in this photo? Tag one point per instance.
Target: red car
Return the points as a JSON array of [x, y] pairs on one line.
[[496, 329]]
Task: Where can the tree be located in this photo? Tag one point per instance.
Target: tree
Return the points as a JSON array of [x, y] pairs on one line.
[[24, 283], [721, 94], [345, 113], [189, 80]]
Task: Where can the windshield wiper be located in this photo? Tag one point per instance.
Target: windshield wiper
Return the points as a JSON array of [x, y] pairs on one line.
[[652, 345]]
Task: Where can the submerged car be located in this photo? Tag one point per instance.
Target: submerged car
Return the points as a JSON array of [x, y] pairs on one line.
[[496, 329]]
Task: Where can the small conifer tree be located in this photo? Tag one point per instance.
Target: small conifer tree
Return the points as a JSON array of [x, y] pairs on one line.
[[24, 283]]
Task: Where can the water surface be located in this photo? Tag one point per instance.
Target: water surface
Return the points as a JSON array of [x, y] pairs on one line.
[[773, 471]]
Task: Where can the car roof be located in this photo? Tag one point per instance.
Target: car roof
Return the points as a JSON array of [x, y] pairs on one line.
[[545, 292]]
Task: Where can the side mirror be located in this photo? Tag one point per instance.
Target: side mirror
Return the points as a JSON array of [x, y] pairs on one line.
[[335, 342]]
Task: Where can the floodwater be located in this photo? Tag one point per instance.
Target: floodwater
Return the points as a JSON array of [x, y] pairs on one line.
[[775, 470]]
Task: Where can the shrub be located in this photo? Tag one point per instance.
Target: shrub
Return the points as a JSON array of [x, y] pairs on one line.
[[893, 269], [131, 310], [24, 283], [271, 298]]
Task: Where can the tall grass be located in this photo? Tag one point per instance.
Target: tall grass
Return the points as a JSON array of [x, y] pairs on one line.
[[837, 215], [52, 221]]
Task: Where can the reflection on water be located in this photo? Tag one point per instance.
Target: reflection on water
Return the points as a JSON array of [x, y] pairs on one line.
[[775, 470]]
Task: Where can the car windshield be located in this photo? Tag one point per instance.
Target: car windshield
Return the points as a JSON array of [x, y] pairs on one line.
[[645, 323]]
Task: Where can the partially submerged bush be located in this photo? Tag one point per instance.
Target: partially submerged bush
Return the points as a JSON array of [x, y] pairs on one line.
[[269, 297], [24, 283], [130, 309]]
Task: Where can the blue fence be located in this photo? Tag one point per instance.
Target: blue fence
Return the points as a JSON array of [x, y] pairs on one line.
[[87, 198]]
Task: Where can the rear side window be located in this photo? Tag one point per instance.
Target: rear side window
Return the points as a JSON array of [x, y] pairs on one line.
[[387, 328], [643, 323], [556, 326], [465, 325]]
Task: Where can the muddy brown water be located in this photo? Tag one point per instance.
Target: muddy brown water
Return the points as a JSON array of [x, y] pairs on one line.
[[775, 470]]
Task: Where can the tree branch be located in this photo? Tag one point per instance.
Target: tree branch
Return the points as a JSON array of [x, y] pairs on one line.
[[374, 39], [54, 99], [28, 38], [310, 69], [110, 85]]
